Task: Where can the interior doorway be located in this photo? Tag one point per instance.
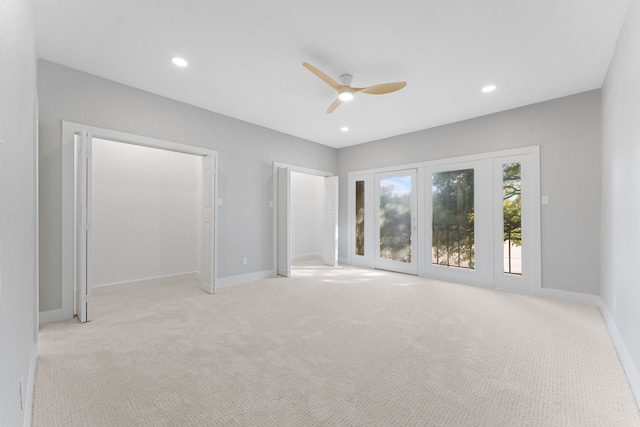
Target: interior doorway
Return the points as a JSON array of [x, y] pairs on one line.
[[307, 206], [306, 217], [203, 226]]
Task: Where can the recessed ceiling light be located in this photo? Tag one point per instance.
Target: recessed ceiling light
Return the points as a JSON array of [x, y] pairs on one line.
[[344, 128], [180, 62], [489, 88]]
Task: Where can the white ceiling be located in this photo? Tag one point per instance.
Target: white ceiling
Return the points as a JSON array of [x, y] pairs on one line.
[[246, 56]]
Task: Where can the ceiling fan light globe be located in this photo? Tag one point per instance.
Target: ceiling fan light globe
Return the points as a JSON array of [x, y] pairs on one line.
[[345, 95]]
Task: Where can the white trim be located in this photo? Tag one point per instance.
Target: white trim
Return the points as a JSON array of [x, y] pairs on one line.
[[134, 139], [630, 369], [482, 274], [36, 220], [302, 169], [307, 257], [110, 288], [451, 160], [567, 296], [31, 384], [274, 202], [410, 267], [244, 278], [534, 239], [67, 205], [368, 258], [56, 315]]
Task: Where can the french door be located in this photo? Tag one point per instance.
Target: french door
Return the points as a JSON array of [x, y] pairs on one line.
[[396, 223], [457, 206], [516, 225], [473, 220]]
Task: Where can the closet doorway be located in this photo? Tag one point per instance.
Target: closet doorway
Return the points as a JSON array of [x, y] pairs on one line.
[[138, 218], [306, 217]]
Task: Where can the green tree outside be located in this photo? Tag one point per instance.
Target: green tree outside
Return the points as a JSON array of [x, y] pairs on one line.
[[453, 218]]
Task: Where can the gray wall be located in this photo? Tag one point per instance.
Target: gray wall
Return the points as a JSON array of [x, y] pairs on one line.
[[144, 213], [620, 184], [307, 209], [568, 132], [18, 236], [245, 156]]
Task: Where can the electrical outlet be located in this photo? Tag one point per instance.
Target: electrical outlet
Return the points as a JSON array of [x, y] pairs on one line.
[[244, 261]]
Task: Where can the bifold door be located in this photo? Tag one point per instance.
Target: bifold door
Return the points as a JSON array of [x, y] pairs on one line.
[[83, 225], [284, 223], [207, 282]]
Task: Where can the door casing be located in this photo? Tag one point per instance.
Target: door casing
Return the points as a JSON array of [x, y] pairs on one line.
[[487, 205], [278, 245], [69, 130]]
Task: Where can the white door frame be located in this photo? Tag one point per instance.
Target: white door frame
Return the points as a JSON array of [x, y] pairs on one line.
[[283, 204], [82, 235], [385, 264], [69, 129], [534, 236], [274, 202], [525, 282], [367, 259], [482, 274]]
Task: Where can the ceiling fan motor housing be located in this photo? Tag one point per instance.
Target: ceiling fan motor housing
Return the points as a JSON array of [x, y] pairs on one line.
[[346, 79]]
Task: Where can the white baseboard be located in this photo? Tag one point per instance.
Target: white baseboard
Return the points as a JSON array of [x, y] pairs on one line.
[[307, 257], [244, 278], [568, 296], [31, 383], [143, 283], [625, 358], [51, 316]]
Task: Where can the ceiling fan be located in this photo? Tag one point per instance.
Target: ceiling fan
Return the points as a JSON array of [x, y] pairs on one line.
[[345, 91]]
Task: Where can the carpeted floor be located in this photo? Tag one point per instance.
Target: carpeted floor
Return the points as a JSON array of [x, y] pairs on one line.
[[332, 347]]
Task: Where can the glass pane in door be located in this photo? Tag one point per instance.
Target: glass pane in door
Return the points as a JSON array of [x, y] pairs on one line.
[[359, 217], [395, 218], [512, 217], [453, 219]]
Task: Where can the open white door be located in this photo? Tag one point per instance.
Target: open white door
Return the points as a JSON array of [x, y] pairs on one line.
[[83, 226], [207, 275], [330, 246], [284, 223]]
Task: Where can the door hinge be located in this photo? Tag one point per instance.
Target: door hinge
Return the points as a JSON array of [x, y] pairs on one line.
[[87, 226], [86, 298]]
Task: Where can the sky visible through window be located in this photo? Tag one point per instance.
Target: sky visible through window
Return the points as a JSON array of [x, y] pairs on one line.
[[401, 184]]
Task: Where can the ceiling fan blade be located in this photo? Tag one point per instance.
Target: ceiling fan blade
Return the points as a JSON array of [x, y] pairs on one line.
[[328, 80], [334, 105], [382, 88]]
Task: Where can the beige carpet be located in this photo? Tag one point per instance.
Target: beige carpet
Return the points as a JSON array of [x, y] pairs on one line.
[[332, 347]]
